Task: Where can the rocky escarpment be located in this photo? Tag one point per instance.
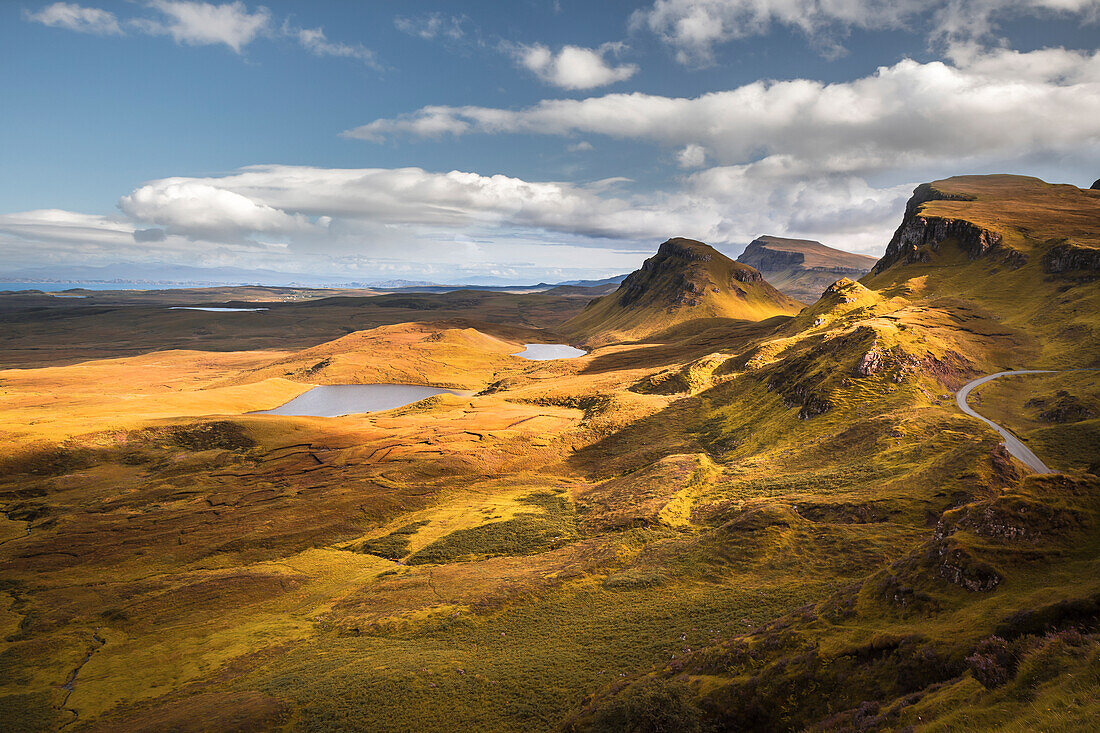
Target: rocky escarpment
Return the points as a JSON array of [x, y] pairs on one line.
[[920, 234], [802, 268], [762, 257], [1066, 257], [769, 254]]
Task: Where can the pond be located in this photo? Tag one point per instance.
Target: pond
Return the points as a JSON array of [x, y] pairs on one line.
[[350, 399], [213, 309], [546, 352]]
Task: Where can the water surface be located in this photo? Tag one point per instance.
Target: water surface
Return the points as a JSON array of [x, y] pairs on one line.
[[546, 352], [212, 309], [351, 399]]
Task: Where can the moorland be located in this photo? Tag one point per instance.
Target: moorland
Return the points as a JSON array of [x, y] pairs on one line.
[[739, 510]]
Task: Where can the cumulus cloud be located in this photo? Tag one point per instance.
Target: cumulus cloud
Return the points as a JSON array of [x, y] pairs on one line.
[[330, 209], [692, 156], [287, 199], [694, 27], [73, 17], [409, 222], [573, 67], [908, 114], [197, 209], [204, 24]]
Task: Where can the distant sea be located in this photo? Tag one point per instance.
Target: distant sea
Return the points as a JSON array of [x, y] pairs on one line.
[[53, 287]]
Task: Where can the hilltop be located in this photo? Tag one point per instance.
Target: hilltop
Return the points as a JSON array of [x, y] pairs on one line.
[[685, 281], [1013, 248], [803, 268]]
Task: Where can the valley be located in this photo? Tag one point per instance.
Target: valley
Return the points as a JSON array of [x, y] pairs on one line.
[[716, 506]]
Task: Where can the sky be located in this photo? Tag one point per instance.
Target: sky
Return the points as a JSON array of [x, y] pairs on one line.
[[518, 142]]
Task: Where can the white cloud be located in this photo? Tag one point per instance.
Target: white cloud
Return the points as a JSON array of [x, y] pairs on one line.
[[580, 147], [314, 41], [284, 198], [692, 156], [573, 67], [408, 222], [65, 226], [200, 24], [76, 18], [204, 24], [196, 209], [694, 27], [431, 26], [905, 115], [333, 209]]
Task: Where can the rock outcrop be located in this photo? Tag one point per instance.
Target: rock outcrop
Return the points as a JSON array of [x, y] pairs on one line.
[[919, 233], [803, 268], [1066, 256]]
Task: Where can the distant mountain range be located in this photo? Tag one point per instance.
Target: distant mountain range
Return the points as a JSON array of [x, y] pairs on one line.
[[185, 276]]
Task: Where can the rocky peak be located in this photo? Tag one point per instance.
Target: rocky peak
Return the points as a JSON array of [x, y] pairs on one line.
[[685, 280], [1095, 185], [920, 232], [681, 248], [681, 274]]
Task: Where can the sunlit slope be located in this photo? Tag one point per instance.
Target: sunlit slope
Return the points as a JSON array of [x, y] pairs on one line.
[[686, 280], [741, 525], [1018, 249], [988, 614]]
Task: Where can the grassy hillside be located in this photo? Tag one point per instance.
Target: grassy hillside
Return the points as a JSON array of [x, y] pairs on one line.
[[685, 281], [1015, 249], [734, 523]]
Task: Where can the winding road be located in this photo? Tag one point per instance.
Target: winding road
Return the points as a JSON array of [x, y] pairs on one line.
[[1013, 444]]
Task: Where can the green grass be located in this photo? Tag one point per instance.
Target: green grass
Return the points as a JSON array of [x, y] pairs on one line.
[[393, 546], [527, 533], [523, 668]]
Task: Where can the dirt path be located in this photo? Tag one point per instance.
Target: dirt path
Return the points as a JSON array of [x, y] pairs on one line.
[[1013, 444]]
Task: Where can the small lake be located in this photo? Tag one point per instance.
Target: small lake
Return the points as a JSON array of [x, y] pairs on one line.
[[351, 399], [213, 309], [546, 352]]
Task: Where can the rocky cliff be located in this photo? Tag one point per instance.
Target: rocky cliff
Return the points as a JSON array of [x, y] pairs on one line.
[[920, 233], [803, 268]]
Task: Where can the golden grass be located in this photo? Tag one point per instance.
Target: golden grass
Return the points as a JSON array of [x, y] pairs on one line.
[[579, 532]]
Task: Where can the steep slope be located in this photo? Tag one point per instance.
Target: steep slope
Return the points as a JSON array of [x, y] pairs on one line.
[[686, 280], [1013, 247], [803, 268], [988, 615]]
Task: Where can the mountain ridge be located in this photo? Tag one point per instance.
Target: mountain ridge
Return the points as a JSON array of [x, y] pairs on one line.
[[685, 280]]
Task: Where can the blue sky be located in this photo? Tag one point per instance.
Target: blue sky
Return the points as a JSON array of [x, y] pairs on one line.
[[514, 142]]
